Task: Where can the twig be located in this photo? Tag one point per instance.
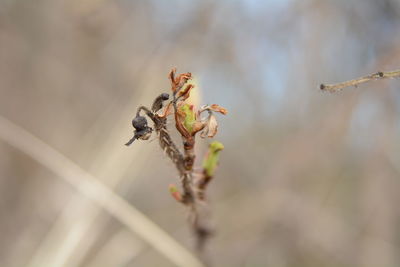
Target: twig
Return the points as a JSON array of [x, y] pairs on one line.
[[90, 187], [188, 123], [355, 82]]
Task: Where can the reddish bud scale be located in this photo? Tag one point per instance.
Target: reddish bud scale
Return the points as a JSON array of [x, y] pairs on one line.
[[175, 193]]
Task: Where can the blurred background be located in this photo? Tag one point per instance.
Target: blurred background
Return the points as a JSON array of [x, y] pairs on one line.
[[307, 178]]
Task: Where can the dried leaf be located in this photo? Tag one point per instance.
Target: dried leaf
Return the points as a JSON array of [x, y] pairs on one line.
[[211, 127], [198, 126], [171, 76], [185, 93], [182, 79], [214, 107], [178, 82], [217, 108]]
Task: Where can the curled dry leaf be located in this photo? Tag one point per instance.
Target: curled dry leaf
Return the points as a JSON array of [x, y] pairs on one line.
[[210, 127], [178, 82], [214, 107], [182, 79], [217, 108], [171, 76], [198, 126], [185, 93]]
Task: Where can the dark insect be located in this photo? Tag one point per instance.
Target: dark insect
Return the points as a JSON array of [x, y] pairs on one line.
[[142, 131]]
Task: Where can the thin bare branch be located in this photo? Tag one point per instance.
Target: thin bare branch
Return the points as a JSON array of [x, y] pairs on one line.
[[355, 82]]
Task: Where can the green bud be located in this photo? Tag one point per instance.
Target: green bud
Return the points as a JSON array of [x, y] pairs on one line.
[[210, 162]]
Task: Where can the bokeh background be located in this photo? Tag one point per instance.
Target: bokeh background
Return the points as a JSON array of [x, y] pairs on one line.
[[307, 178]]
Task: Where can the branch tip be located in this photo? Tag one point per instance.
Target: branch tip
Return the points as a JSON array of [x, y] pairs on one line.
[[355, 82]]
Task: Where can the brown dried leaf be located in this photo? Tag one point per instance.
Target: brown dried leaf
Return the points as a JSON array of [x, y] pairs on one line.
[[217, 108], [211, 127], [214, 107], [171, 76], [185, 93], [198, 126], [182, 79]]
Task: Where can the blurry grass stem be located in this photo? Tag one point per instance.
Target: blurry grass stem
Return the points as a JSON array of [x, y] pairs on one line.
[[90, 187]]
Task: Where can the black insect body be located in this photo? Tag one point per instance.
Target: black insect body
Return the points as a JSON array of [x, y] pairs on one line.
[[139, 123], [142, 131]]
